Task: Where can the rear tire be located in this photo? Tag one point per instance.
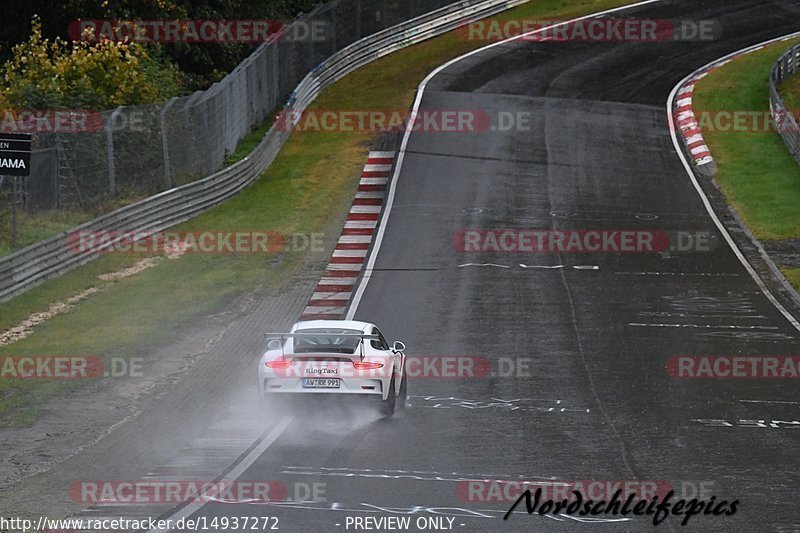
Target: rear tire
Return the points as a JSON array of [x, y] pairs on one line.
[[264, 400], [388, 405], [402, 398]]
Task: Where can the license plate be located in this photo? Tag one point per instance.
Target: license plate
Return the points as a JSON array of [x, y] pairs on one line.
[[320, 383]]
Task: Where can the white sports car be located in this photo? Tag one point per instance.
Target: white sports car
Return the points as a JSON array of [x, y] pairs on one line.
[[342, 357]]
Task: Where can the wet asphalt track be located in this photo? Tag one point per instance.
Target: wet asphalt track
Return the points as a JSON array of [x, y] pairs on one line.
[[598, 404]]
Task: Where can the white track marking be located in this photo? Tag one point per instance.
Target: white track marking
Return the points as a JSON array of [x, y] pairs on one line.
[[377, 168], [349, 253], [236, 471], [545, 267], [770, 401], [753, 274], [373, 181], [337, 281], [362, 286], [381, 155], [706, 326], [432, 475], [559, 267], [341, 295], [483, 265]]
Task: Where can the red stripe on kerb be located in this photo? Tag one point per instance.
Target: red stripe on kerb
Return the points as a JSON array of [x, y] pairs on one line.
[[368, 201], [371, 188], [328, 303], [362, 216], [357, 231], [333, 288], [346, 260], [341, 273]]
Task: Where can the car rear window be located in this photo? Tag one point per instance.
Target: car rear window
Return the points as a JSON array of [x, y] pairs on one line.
[[334, 343]]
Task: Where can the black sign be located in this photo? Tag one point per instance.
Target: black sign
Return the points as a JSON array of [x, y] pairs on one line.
[[15, 154]]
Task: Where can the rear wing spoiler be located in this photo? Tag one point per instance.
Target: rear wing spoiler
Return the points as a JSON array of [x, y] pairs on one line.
[[283, 336]]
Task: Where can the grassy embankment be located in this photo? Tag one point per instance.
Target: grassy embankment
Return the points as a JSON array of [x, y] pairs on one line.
[[757, 173]]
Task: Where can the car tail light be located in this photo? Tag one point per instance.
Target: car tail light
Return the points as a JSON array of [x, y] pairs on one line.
[[279, 363], [366, 365]]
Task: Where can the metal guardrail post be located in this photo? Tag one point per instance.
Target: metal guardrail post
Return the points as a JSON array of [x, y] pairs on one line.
[[785, 67], [165, 141], [14, 201], [112, 175]]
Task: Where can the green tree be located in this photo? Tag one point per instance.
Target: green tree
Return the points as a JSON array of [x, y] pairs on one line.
[[202, 63], [47, 74]]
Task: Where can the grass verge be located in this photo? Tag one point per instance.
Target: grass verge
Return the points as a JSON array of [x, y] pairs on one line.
[[793, 275], [36, 227], [758, 175], [307, 189]]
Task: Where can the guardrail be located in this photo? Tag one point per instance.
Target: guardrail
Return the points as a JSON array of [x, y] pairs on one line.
[[785, 67], [50, 258]]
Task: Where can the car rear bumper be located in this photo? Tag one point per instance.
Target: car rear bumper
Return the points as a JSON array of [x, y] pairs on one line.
[[371, 387]]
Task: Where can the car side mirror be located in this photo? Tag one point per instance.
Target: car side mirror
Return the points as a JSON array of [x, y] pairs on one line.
[[398, 346], [274, 344]]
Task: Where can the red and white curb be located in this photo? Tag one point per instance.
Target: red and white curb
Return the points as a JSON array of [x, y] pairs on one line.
[[333, 293], [687, 121], [684, 114]]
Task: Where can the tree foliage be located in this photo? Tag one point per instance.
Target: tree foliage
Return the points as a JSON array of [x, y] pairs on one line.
[[201, 63], [48, 74]]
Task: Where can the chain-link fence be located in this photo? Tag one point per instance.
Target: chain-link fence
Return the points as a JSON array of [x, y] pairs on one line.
[[785, 67], [140, 150]]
